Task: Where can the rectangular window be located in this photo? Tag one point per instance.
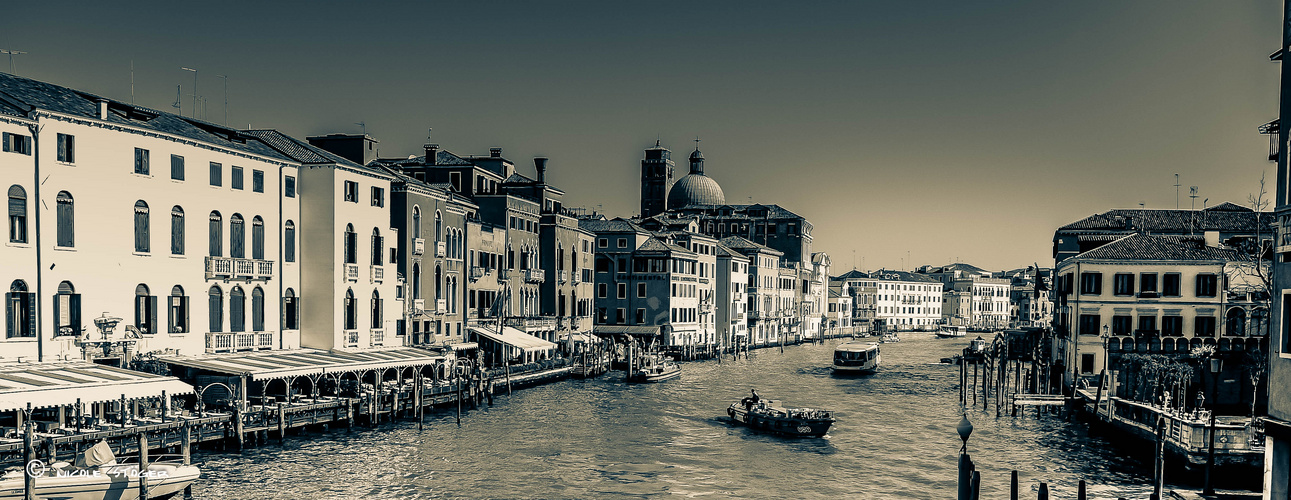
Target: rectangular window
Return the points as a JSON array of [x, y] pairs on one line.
[[640, 316], [602, 242], [623, 290], [378, 197], [177, 167], [1086, 363], [15, 143], [66, 148], [141, 161], [1122, 325], [455, 179], [623, 242], [235, 177], [641, 290], [1147, 324], [351, 191], [289, 186], [620, 315], [1091, 283], [1204, 326], [1206, 285], [601, 289], [1123, 284], [1172, 326], [600, 315], [217, 174], [1090, 323], [257, 181], [1148, 283], [1170, 285]]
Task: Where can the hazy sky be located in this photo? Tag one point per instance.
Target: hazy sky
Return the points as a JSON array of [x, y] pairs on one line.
[[946, 129]]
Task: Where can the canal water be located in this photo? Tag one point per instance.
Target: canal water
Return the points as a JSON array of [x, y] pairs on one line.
[[601, 438]]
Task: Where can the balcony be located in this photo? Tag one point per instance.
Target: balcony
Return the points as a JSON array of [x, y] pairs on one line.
[[378, 274], [441, 306], [532, 324], [244, 341], [378, 337], [535, 275], [562, 276], [504, 274], [418, 246], [351, 338], [352, 273], [418, 306], [1272, 129], [229, 269], [575, 277], [441, 248], [478, 272]]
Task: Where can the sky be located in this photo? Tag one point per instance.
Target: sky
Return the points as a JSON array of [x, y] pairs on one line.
[[908, 133]]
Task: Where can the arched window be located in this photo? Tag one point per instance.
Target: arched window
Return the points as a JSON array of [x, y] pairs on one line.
[[20, 311], [351, 312], [416, 281], [257, 310], [1260, 322], [416, 221], [17, 214], [257, 238], [351, 245], [1236, 322], [66, 220], [560, 303], [378, 244], [176, 230], [145, 310], [289, 240], [560, 257], [67, 310], [178, 310], [216, 308], [237, 237], [216, 236], [237, 310], [376, 310], [290, 310], [439, 227], [452, 295], [142, 240], [439, 279]]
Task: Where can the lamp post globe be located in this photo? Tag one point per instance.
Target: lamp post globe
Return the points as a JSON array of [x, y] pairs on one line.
[[965, 429]]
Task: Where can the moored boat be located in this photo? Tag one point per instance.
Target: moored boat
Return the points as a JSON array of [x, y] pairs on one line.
[[655, 368], [889, 338], [857, 357], [97, 476], [949, 331], [765, 415]]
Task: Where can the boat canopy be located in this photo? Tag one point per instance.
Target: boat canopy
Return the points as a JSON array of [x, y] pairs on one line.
[[268, 365], [59, 384]]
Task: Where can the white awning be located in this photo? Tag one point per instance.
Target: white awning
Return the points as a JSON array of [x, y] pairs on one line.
[[267, 365], [60, 384], [514, 338]]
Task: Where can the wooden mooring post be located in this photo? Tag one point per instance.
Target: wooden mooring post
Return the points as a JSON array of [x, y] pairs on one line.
[[238, 435], [282, 422], [143, 466]]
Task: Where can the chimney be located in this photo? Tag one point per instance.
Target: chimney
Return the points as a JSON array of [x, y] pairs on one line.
[[540, 164], [495, 152], [432, 154], [103, 109]]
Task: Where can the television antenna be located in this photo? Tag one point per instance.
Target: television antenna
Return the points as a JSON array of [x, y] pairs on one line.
[[364, 126], [1192, 193], [1176, 191], [226, 98], [176, 104], [194, 89], [11, 54]]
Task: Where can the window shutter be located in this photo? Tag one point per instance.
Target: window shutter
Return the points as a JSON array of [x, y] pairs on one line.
[[9, 315], [75, 313], [257, 241], [58, 313], [184, 326], [176, 234], [29, 308], [152, 314]]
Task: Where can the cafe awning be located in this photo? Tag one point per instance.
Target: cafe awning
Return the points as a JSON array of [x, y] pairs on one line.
[[59, 384], [637, 330], [514, 338], [267, 365]]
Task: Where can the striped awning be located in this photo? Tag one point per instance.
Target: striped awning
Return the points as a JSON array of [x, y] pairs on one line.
[[59, 384], [267, 365]]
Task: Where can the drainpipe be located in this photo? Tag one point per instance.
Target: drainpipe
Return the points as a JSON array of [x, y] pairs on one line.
[[40, 295]]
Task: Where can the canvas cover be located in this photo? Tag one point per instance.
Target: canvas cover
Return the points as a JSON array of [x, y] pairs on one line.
[[99, 454]]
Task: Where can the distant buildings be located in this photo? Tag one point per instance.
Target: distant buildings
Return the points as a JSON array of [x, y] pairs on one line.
[[972, 297]]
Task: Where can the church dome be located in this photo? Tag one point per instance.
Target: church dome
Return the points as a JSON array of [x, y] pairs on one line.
[[695, 189]]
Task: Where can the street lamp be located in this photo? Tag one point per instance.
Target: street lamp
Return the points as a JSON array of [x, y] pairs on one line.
[[1216, 364]]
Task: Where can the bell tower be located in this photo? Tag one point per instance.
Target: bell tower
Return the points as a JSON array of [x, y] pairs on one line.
[[656, 179]]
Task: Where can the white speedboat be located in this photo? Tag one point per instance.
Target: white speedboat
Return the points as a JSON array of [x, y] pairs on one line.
[[857, 357], [656, 368], [97, 476], [948, 331]]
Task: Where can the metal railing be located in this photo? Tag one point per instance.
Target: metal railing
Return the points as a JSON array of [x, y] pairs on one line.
[[351, 338], [378, 337], [229, 268], [352, 272], [418, 246], [378, 274], [532, 324], [241, 341]]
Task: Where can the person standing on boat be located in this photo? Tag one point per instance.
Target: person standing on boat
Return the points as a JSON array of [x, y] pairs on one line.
[[755, 398]]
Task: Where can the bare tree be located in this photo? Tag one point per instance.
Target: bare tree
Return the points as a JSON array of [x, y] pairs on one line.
[[1255, 271]]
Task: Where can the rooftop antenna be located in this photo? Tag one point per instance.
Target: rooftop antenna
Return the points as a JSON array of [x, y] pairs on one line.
[[11, 54], [194, 90], [226, 98], [132, 82], [1176, 191], [176, 103], [364, 126], [1192, 193]]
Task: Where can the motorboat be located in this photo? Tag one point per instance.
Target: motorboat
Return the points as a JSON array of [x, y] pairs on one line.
[[949, 331], [656, 368], [857, 357], [97, 475], [765, 415], [889, 338]]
